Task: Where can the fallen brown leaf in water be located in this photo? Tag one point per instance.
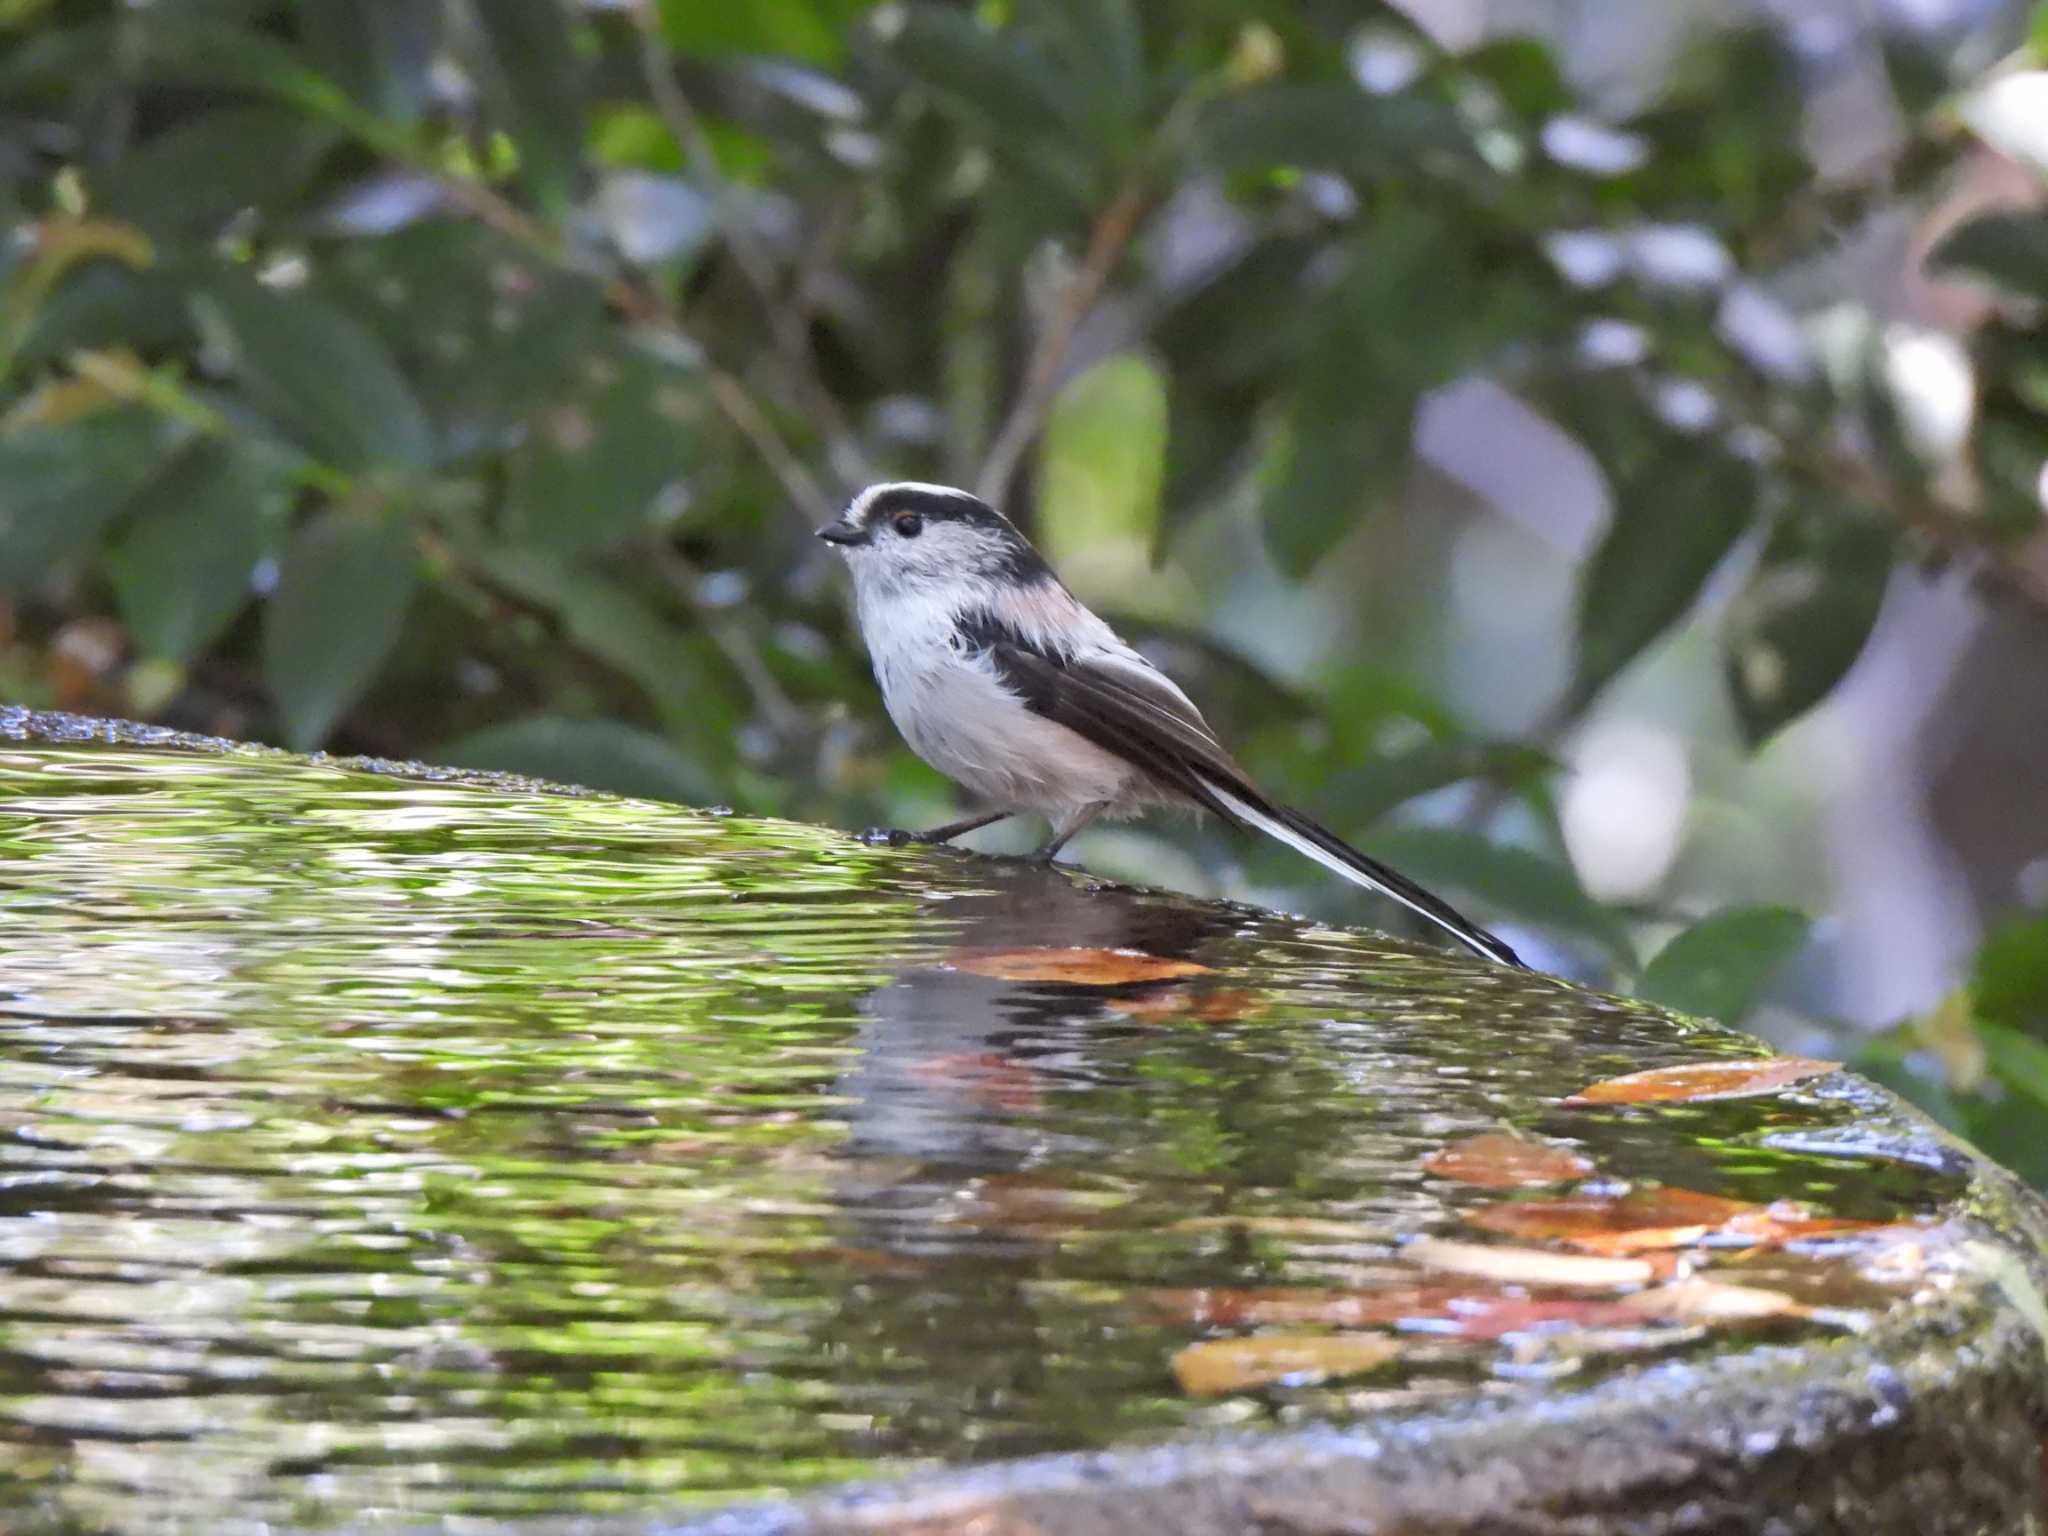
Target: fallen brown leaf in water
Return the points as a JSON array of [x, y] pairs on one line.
[[1074, 967], [1700, 1300], [1649, 1220], [1494, 1161], [1704, 1080], [1236, 1365], [1526, 1266], [1218, 1006]]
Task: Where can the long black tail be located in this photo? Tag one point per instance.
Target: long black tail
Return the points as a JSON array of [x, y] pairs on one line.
[[1331, 851]]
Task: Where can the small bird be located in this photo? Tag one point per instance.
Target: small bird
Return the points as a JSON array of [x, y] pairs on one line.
[[1001, 679]]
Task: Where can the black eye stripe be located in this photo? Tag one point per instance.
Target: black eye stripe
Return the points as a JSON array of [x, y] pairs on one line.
[[909, 524]]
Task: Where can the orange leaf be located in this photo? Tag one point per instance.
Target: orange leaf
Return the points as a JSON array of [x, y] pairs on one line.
[[1646, 1220], [1505, 1162], [1225, 1006], [1074, 967], [1526, 1266], [1704, 1080], [1235, 1365], [1608, 1223], [1713, 1301]]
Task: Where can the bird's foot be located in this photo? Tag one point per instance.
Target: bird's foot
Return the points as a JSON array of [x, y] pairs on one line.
[[891, 837]]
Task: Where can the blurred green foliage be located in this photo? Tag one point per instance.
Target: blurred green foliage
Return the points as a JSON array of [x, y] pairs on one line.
[[463, 381]]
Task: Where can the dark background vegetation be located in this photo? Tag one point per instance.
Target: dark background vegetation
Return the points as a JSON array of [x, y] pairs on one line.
[[1591, 454]]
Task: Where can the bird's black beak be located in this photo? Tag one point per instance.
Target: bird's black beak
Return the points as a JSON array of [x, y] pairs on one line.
[[843, 532]]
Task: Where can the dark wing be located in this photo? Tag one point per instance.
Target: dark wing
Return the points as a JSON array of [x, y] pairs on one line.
[[1131, 712], [1122, 707]]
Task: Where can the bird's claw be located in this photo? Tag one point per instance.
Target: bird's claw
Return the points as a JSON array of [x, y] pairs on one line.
[[889, 837]]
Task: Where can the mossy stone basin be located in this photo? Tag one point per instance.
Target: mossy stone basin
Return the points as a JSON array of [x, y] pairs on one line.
[[381, 1146]]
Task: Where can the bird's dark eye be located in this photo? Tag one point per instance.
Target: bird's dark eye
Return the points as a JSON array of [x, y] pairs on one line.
[[909, 524]]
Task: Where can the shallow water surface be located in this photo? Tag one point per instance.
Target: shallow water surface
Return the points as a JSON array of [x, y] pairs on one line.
[[384, 1148]]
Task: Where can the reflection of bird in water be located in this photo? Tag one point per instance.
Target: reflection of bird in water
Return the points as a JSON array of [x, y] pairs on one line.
[[954, 1066], [966, 1151]]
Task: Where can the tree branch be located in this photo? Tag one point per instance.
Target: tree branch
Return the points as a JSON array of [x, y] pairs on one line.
[[1106, 243]]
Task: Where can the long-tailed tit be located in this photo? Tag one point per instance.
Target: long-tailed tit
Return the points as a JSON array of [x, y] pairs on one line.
[[999, 678]]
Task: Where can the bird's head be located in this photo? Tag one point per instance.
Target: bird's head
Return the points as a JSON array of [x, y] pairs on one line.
[[904, 535]]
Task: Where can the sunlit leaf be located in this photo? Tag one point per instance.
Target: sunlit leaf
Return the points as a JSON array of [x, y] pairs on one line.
[[1526, 1266], [342, 592], [1802, 619], [321, 375], [181, 568], [1705, 1080], [1074, 967], [1218, 1366], [813, 30], [1495, 1161], [1720, 966], [599, 754], [1101, 469]]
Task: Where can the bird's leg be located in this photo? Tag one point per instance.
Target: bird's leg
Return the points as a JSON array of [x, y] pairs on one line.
[[953, 829], [1063, 831], [896, 838]]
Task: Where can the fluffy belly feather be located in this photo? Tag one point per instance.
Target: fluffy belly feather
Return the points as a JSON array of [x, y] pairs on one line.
[[965, 723]]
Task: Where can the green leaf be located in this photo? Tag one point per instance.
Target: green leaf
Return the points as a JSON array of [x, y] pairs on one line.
[[1538, 891], [181, 567], [380, 51], [1006, 94], [2009, 248], [1377, 786], [2009, 981], [2018, 1059], [1407, 314], [484, 332], [61, 485], [341, 599], [1102, 464], [613, 623], [196, 175], [1718, 967], [1675, 522], [599, 754], [812, 30], [536, 82], [1802, 620], [597, 459], [1334, 126], [324, 378]]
